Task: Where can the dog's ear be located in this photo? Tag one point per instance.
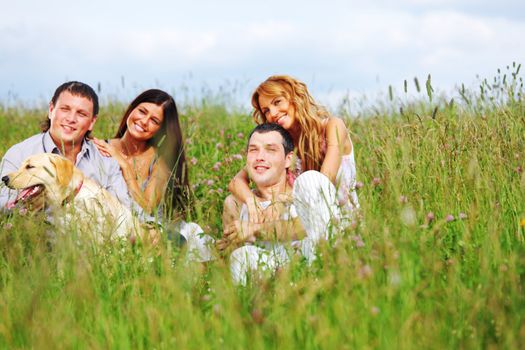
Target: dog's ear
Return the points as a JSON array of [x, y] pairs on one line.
[[64, 170]]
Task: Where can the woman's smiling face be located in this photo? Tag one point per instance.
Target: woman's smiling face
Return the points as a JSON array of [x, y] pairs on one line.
[[145, 120], [277, 109]]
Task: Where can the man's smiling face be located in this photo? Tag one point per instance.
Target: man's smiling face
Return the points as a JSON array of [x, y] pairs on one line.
[[71, 118], [266, 161]]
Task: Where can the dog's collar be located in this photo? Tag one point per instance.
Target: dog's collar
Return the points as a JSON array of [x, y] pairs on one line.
[[79, 187], [74, 194]]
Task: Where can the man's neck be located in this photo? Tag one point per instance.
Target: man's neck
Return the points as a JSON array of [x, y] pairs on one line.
[[68, 150], [268, 193]]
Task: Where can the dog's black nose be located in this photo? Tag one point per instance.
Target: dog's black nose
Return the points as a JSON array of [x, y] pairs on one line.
[[5, 179]]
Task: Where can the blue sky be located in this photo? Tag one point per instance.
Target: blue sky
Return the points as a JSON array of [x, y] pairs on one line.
[[336, 47]]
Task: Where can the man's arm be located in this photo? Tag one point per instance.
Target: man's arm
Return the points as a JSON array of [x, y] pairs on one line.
[[239, 232], [231, 210], [287, 228], [280, 230], [281, 221], [231, 214]]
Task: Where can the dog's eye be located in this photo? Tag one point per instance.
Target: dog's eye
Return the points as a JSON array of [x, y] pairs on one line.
[[29, 166]]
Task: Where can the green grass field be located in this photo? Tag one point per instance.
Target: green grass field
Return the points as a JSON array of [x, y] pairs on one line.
[[438, 263]]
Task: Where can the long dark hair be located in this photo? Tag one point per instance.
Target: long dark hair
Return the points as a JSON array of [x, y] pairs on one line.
[[169, 145]]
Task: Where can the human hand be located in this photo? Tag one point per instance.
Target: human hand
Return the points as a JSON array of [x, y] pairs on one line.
[[153, 236], [285, 198], [273, 212], [255, 212], [223, 244], [278, 207], [228, 238], [236, 233], [108, 150], [103, 147]]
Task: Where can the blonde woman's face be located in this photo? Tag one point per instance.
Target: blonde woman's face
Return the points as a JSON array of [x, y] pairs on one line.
[[277, 109]]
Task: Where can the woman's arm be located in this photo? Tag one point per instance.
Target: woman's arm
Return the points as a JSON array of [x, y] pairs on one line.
[[239, 187], [150, 197], [338, 143], [239, 232], [152, 194]]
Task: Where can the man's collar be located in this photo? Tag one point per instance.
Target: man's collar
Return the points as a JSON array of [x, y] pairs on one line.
[[50, 147], [48, 144]]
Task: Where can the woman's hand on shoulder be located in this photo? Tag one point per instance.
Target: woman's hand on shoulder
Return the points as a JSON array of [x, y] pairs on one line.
[[108, 150], [104, 148]]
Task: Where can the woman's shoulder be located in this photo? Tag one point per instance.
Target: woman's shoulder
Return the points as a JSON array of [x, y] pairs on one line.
[[334, 127], [336, 132], [334, 121]]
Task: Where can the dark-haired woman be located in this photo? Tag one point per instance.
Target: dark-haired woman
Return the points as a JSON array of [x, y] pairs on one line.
[[149, 149]]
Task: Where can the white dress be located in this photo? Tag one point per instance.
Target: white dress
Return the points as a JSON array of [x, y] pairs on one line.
[[345, 182]]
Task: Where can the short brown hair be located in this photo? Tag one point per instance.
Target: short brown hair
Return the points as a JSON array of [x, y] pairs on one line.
[[75, 88]]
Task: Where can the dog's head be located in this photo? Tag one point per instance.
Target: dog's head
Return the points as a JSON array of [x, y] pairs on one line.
[[43, 179]]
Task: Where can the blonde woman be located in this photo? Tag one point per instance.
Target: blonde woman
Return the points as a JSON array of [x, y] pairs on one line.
[[321, 141]]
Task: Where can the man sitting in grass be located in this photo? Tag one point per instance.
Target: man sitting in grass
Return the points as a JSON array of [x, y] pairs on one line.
[[72, 114], [295, 218]]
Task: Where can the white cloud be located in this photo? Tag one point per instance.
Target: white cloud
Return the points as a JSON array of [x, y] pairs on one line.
[[337, 45]]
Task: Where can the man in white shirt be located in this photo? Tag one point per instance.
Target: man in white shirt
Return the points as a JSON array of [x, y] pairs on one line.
[[295, 218]]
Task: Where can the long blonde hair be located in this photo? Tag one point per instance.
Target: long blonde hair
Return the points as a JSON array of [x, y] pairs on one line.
[[308, 114]]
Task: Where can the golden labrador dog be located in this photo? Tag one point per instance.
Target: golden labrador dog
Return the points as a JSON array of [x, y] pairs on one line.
[[52, 181]]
